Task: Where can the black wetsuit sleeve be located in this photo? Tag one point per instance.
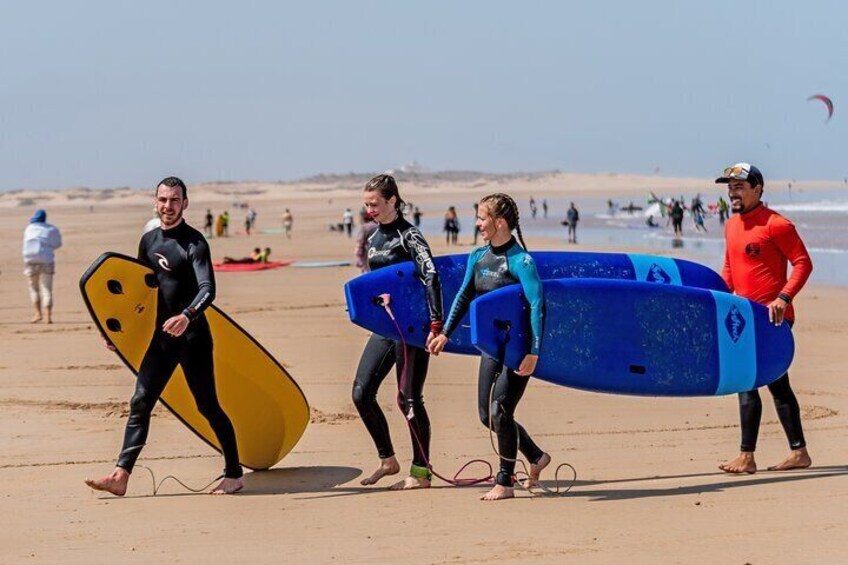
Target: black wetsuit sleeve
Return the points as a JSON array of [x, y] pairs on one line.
[[426, 268], [142, 250], [201, 262], [466, 294]]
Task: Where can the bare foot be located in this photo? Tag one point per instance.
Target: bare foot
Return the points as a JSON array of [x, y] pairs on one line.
[[798, 459], [743, 463], [499, 492], [410, 483], [536, 470], [35, 319], [115, 483], [388, 466], [228, 486]]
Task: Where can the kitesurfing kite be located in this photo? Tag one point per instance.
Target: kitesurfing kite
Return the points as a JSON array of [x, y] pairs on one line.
[[827, 102]]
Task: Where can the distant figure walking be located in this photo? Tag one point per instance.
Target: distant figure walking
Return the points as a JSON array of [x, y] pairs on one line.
[[226, 223], [572, 216], [207, 224], [416, 217], [723, 210], [347, 220], [288, 220], [451, 226], [40, 241], [677, 217], [545, 208], [533, 209]]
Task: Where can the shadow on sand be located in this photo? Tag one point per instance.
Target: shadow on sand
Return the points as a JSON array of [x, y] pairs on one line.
[[715, 482]]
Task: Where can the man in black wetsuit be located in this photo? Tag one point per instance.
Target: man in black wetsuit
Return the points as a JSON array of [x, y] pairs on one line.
[[179, 255]]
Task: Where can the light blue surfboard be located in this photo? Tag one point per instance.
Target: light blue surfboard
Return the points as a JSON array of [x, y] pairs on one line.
[[410, 309], [637, 338]]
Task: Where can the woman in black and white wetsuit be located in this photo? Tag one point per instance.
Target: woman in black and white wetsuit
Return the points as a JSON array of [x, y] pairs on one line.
[[395, 241]]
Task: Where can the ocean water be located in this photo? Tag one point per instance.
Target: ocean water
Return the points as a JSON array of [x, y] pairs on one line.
[[821, 218]]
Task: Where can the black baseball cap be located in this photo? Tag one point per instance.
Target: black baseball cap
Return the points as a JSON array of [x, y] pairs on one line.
[[742, 171]]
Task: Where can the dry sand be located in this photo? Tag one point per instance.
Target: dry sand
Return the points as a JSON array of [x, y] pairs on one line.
[[648, 490]]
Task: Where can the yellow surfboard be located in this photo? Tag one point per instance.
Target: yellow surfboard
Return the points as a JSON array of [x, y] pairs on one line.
[[266, 406]]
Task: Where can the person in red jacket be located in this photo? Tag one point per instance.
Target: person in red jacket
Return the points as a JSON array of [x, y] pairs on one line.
[[759, 244]]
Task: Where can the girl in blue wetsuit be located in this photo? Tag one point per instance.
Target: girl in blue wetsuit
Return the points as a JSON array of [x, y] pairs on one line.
[[500, 263]]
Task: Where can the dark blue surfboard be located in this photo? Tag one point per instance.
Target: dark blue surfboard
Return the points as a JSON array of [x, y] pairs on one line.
[[409, 306], [637, 338]]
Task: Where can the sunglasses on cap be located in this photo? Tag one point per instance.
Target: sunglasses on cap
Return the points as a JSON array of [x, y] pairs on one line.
[[736, 172]]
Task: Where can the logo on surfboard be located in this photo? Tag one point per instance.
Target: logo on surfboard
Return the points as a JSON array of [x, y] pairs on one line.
[[658, 275], [734, 323]]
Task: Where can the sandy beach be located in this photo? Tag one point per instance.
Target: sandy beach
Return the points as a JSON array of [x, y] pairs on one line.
[[648, 489]]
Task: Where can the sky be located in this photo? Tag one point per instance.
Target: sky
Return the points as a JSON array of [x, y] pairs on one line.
[[118, 93]]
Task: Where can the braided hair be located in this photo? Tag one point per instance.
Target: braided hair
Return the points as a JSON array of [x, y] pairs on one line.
[[387, 187], [503, 206]]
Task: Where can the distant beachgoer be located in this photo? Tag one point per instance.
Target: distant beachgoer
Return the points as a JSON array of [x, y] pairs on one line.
[[723, 210], [416, 217], [366, 230], [207, 225], [247, 224], [677, 217], [533, 209], [41, 240], [288, 220], [572, 216], [226, 224], [255, 257], [545, 208], [759, 244], [451, 226], [347, 220], [698, 217]]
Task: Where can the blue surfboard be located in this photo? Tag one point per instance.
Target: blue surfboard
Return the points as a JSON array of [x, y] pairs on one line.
[[409, 306], [637, 338]]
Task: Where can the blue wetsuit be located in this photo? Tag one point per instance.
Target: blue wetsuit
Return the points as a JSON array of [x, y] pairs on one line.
[[490, 268]]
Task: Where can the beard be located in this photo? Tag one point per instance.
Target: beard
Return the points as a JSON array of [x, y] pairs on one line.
[[175, 219]]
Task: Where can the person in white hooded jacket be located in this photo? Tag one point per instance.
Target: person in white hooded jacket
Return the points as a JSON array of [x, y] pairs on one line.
[[40, 241]]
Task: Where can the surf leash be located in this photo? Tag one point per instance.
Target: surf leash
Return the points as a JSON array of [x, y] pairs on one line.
[[157, 486], [558, 490], [530, 482], [457, 481]]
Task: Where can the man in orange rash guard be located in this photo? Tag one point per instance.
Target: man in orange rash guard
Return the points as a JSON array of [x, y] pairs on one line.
[[759, 243]]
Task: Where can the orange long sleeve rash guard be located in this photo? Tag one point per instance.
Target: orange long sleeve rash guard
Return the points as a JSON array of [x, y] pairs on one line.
[[758, 246]]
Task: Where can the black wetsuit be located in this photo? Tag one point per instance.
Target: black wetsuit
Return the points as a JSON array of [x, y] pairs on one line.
[[180, 258], [788, 412], [394, 243], [490, 268]]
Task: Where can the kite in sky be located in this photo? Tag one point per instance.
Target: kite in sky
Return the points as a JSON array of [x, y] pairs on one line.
[[827, 102]]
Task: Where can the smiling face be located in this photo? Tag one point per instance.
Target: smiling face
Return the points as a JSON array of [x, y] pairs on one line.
[[383, 211], [488, 224], [169, 205], [743, 197]]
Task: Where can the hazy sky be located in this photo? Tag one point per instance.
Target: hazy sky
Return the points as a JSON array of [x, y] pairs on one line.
[[120, 93]]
